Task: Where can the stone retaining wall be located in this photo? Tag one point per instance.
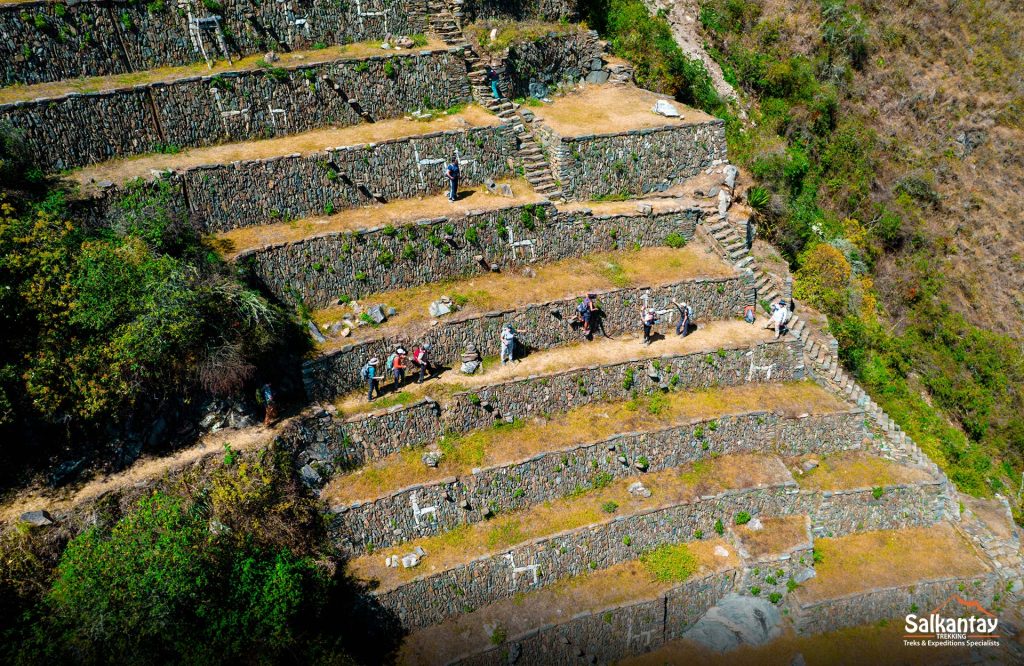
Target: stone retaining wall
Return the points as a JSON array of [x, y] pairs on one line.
[[320, 269], [337, 373], [892, 603], [552, 60], [612, 633], [78, 129], [552, 474], [42, 41], [633, 162], [519, 10], [434, 598]]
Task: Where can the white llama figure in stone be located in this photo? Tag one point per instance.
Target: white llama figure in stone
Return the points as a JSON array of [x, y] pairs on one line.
[[418, 513]]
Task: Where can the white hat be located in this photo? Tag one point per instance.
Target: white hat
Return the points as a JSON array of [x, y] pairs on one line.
[[400, 350], [374, 361]]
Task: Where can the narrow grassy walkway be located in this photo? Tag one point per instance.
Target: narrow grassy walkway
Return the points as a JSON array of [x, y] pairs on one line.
[[90, 84], [709, 338], [396, 213], [858, 469], [567, 278], [124, 169], [580, 507], [629, 582], [592, 423], [886, 558]]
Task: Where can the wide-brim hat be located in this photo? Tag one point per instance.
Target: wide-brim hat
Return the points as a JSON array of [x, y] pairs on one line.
[[400, 350], [374, 361]]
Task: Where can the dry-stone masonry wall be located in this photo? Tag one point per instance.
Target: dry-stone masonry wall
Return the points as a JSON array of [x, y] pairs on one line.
[[549, 475], [79, 129], [43, 41], [613, 633], [320, 269], [544, 10], [551, 60], [539, 326], [433, 598], [891, 603], [638, 161]]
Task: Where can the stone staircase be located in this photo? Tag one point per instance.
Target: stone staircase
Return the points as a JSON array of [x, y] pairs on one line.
[[536, 166]]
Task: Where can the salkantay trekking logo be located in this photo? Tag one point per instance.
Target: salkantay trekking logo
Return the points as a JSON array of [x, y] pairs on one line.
[[937, 630]]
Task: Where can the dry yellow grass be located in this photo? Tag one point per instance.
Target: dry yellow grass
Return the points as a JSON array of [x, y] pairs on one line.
[[560, 279], [711, 336], [396, 213], [621, 584], [125, 169], [591, 423], [779, 535], [858, 469], [580, 508], [90, 84], [607, 109], [887, 558], [856, 646]]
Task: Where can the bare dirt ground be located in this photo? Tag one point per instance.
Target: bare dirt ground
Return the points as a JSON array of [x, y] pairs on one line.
[[710, 336], [609, 109], [621, 584], [396, 213], [122, 170], [90, 84]]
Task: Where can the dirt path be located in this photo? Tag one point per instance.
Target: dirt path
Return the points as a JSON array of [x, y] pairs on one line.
[[144, 469], [709, 336]]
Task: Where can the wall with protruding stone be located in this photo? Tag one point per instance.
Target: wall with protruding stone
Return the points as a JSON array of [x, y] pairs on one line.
[[44, 41], [634, 162], [552, 60], [543, 10], [82, 128], [539, 326], [321, 269]]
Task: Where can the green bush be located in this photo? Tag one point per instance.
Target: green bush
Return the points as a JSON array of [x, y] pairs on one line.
[[672, 562], [675, 239]]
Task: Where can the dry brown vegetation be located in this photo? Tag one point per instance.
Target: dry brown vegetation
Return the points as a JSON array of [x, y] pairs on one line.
[[777, 537], [623, 583], [610, 109], [857, 469], [488, 292], [591, 423], [579, 508], [889, 558]]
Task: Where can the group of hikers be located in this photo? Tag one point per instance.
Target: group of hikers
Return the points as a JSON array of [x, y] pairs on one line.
[[397, 364]]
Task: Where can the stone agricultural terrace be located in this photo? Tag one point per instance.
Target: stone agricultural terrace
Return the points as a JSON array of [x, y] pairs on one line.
[[727, 496]]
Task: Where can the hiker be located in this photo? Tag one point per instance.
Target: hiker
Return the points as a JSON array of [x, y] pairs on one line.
[[748, 314], [269, 401], [586, 310], [421, 359], [492, 80], [369, 374], [779, 318], [649, 319], [452, 172], [685, 315], [398, 366], [508, 344]]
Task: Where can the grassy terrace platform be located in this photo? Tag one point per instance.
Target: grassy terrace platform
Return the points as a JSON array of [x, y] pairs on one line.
[[857, 469], [505, 444], [396, 213], [621, 584], [889, 558], [611, 109], [357, 51], [488, 292], [122, 170], [668, 487], [710, 337]]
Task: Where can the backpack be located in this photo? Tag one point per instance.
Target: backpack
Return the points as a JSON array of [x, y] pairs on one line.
[[364, 374], [453, 170], [391, 361], [582, 307], [786, 316]]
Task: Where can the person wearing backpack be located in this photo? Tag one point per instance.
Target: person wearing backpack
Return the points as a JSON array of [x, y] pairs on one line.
[[398, 366], [369, 375], [508, 344], [586, 310], [421, 359], [685, 317], [648, 318], [748, 314], [453, 174]]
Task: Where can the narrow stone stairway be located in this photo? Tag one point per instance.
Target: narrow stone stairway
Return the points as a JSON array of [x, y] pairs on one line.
[[535, 164]]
